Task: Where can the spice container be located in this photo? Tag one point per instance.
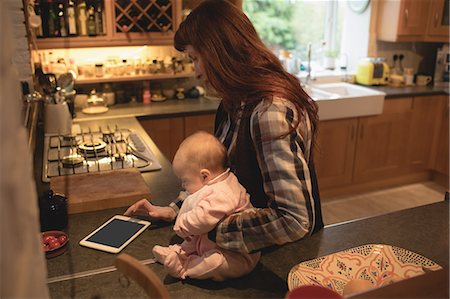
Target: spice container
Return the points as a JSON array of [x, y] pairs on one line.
[[99, 70]]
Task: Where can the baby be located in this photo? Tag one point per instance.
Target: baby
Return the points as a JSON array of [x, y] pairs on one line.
[[214, 193]]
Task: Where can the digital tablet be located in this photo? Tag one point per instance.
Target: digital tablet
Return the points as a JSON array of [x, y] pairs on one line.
[[115, 234]]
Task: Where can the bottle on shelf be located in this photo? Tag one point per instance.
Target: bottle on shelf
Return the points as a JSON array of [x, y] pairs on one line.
[[52, 18], [72, 24], [61, 21], [146, 93], [91, 26], [82, 18], [99, 18], [38, 12]]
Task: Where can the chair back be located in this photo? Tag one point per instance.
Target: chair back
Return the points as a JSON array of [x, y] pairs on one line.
[[142, 275]]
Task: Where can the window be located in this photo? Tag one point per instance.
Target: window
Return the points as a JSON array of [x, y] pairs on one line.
[[293, 24]]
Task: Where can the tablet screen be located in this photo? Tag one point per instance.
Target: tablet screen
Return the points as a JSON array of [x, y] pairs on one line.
[[116, 233]]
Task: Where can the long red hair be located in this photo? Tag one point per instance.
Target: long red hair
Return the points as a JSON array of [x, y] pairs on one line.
[[236, 62]]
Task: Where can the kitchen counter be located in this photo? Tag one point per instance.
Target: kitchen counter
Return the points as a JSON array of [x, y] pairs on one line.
[[186, 107], [169, 108], [410, 91], [423, 230]]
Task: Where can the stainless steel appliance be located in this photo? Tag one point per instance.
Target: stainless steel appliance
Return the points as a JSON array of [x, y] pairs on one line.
[[95, 150], [442, 68]]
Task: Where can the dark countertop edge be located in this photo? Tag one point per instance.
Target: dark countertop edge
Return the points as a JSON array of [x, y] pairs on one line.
[[412, 91]]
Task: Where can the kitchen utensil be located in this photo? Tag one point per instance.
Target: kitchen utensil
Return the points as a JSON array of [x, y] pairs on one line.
[[66, 81], [57, 119], [101, 190], [48, 83]]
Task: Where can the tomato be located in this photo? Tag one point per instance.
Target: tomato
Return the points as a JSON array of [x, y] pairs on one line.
[[48, 238], [45, 247], [53, 244], [62, 239]]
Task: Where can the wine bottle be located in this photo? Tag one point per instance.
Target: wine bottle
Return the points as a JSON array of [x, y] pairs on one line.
[[99, 17], [62, 20], [91, 27], [71, 19], [37, 10], [52, 30], [82, 24]]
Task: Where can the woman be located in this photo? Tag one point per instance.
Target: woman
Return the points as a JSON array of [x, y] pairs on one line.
[[266, 121]]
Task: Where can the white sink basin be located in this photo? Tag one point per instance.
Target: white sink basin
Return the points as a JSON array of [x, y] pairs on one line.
[[344, 100]]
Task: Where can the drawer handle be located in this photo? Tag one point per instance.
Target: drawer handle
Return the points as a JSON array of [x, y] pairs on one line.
[[406, 17], [436, 19]]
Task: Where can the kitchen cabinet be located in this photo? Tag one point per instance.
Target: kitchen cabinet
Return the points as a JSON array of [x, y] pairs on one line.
[[128, 23], [382, 142], [438, 21], [196, 123], [168, 133], [413, 20], [402, 20], [335, 152], [440, 162], [423, 131]]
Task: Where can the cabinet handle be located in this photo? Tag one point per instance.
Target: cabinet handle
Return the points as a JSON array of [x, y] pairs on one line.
[[436, 19], [361, 134], [406, 17]]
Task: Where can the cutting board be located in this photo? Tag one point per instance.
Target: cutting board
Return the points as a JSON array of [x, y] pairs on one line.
[[101, 190]]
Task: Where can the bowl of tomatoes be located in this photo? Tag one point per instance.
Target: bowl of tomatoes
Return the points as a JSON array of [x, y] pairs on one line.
[[54, 243]]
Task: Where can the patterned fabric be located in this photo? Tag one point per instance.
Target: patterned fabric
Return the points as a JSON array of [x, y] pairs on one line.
[[284, 164]]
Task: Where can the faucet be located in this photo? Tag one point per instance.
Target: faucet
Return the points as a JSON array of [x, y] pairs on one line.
[[308, 77]]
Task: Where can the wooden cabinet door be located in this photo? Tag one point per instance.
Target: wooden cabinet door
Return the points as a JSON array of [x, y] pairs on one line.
[[413, 17], [335, 152], [441, 160], [196, 123], [423, 131], [438, 21], [382, 142], [402, 20], [167, 133]]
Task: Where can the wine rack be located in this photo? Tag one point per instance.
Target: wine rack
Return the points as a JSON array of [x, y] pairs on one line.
[[144, 16]]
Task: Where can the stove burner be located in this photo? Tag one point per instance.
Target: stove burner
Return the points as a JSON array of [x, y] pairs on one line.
[[91, 147], [72, 161]]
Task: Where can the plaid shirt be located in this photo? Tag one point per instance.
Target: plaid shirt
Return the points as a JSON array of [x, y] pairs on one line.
[[286, 175], [286, 178]]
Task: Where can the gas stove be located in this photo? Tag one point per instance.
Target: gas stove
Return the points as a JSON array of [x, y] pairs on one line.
[[96, 150]]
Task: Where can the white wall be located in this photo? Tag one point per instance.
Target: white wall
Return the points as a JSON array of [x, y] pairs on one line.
[[355, 36]]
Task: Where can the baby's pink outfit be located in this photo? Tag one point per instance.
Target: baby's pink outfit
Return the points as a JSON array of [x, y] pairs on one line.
[[198, 257]]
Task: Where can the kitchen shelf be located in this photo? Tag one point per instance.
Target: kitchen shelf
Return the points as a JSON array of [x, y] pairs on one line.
[[106, 79]]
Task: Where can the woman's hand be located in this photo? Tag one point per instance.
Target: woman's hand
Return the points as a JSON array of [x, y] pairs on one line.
[[144, 207]]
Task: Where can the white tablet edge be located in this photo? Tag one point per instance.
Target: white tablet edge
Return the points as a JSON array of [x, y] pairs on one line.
[[111, 249]]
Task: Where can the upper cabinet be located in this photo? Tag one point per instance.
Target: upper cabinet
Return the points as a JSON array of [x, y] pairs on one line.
[[124, 23], [438, 21], [413, 20]]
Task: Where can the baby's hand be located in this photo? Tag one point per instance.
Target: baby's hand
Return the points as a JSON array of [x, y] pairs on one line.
[[145, 208]]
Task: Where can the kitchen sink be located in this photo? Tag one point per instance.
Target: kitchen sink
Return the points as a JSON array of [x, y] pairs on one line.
[[344, 100]]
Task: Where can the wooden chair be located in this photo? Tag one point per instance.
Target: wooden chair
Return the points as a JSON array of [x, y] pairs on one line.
[[142, 275]]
